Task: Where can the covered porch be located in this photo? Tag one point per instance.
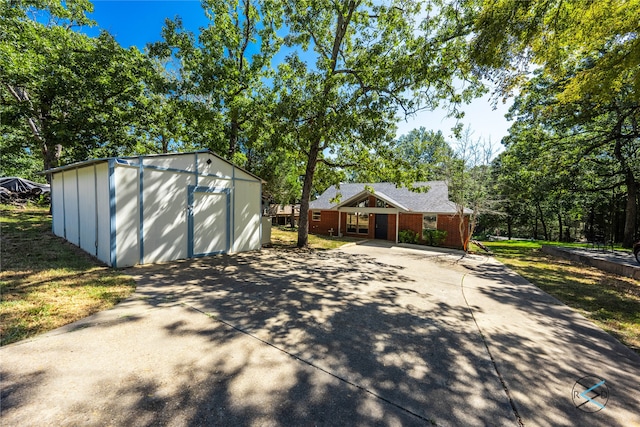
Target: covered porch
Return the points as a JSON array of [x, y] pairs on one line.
[[375, 216]]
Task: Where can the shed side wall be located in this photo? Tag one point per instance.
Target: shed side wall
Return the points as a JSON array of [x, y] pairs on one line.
[[102, 201], [57, 208], [127, 216], [70, 200], [246, 216], [88, 220]]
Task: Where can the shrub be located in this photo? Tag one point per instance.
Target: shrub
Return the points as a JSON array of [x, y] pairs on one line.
[[408, 236], [434, 237]]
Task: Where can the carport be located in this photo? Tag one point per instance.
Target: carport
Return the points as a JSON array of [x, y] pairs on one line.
[[147, 209]]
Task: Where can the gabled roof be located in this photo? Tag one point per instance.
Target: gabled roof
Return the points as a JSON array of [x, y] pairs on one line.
[[435, 200], [85, 163], [365, 193]]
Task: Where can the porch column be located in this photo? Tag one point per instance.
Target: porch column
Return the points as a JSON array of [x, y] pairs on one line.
[[338, 232], [397, 225]]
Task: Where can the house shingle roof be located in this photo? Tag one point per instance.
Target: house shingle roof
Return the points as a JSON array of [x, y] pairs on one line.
[[436, 200]]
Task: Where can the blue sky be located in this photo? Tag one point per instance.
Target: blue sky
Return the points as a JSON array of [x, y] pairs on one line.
[[136, 23]]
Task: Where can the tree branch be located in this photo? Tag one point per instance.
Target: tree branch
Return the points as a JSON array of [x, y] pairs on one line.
[[337, 165]]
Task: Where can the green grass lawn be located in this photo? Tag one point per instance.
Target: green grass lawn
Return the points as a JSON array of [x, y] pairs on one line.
[[286, 237], [46, 282], [610, 301]]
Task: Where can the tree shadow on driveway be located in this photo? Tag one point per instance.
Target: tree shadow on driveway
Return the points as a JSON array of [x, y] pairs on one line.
[[542, 348], [287, 338]]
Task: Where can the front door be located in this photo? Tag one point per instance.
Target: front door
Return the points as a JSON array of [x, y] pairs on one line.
[[382, 221], [208, 221]]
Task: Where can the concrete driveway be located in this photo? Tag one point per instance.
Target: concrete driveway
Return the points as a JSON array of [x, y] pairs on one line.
[[367, 335]]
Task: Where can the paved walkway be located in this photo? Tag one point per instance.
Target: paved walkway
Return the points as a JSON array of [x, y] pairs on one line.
[[367, 335], [617, 262]]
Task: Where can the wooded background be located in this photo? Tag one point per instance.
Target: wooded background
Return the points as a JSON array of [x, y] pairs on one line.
[[327, 113]]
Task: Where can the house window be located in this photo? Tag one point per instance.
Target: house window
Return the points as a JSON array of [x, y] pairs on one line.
[[358, 222], [352, 223], [429, 222], [363, 223], [381, 204], [315, 216]]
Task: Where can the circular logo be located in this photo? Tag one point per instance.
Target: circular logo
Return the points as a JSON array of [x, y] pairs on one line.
[[590, 394]]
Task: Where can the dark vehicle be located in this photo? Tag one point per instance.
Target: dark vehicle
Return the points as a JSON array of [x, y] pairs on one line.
[[636, 250]]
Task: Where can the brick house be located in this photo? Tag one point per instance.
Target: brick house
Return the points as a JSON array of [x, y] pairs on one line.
[[380, 211]]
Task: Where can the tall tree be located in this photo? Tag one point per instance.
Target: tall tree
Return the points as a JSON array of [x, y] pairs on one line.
[[76, 95], [223, 71], [468, 174], [420, 155], [580, 140], [355, 64], [510, 35]]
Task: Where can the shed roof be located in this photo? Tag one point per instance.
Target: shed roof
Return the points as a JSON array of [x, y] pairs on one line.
[[435, 200], [105, 159]]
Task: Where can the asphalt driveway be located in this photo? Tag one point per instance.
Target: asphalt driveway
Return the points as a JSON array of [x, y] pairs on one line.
[[366, 335]]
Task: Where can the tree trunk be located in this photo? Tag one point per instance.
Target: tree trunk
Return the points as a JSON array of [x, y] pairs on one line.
[[37, 122], [560, 234], [544, 225], [233, 138], [509, 222], [630, 211], [293, 216], [165, 144], [463, 239], [342, 25], [303, 224], [51, 157]]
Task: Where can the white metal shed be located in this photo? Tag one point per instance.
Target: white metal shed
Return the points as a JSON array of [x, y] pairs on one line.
[[146, 209]]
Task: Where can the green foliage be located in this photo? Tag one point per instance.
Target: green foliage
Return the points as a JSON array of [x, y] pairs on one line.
[[408, 236], [566, 158], [326, 113], [572, 154], [220, 76], [558, 35], [434, 237], [421, 155], [214, 92], [64, 96]]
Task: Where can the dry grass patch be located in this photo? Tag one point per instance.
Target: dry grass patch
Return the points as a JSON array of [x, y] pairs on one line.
[[610, 301], [46, 282], [286, 237]]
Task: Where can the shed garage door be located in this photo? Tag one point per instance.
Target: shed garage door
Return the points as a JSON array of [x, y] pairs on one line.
[[209, 221]]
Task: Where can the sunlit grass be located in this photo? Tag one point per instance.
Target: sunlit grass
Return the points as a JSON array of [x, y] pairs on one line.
[[286, 237], [46, 282], [610, 301]]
